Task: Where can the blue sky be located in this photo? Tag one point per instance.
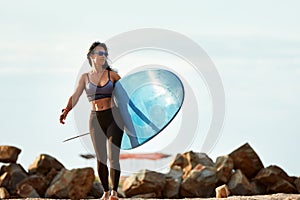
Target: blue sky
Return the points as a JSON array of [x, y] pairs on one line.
[[255, 47]]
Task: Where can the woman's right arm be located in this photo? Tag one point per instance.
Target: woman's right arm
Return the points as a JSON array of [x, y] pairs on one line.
[[73, 99]]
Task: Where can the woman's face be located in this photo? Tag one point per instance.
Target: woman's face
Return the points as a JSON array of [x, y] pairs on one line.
[[96, 58]]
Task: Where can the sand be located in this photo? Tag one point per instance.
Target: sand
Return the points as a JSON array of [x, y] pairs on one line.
[[258, 197]]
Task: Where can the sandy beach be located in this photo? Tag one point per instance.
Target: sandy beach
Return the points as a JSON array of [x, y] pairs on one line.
[[279, 196]]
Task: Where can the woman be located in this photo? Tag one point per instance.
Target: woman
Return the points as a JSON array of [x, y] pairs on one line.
[[99, 84]]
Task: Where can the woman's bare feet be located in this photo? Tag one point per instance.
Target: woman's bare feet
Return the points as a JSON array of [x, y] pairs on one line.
[[105, 196], [113, 195]]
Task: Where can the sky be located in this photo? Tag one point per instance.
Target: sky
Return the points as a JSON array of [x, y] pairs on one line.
[[255, 47]]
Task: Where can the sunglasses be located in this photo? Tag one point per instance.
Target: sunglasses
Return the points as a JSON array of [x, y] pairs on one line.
[[101, 53]]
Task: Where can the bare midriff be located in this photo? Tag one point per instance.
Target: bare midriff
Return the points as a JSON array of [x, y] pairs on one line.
[[101, 104]]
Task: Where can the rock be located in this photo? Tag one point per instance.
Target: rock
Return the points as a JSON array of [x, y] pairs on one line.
[[224, 166], [14, 174], [96, 190], [121, 194], [200, 182], [25, 190], [38, 182], [179, 160], [13, 167], [276, 180], [173, 182], [9, 154], [245, 159], [222, 191], [281, 186], [239, 184], [50, 176], [43, 165], [74, 184], [292, 179], [2, 169], [79, 187], [148, 195], [297, 184], [271, 174], [258, 188], [4, 179], [144, 182], [4, 193], [189, 160]]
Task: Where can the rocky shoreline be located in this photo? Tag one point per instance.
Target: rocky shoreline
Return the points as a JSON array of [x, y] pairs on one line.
[[238, 175]]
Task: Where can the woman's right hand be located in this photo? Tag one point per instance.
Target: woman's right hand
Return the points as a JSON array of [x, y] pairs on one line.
[[74, 98], [63, 117]]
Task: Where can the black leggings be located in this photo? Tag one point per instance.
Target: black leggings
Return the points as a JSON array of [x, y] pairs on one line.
[[103, 128]]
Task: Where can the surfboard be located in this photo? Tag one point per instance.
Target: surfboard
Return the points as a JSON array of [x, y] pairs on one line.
[[145, 103]]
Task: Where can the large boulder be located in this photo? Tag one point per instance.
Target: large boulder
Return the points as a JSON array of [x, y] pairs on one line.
[[276, 180], [239, 184], [246, 159], [43, 165], [9, 154], [74, 184], [224, 166], [12, 176], [37, 182], [144, 182], [173, 182], [189, 160], [271, 174], [200, 182]]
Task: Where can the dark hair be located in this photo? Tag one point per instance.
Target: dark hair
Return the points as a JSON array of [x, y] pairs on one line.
[[93, 46]]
